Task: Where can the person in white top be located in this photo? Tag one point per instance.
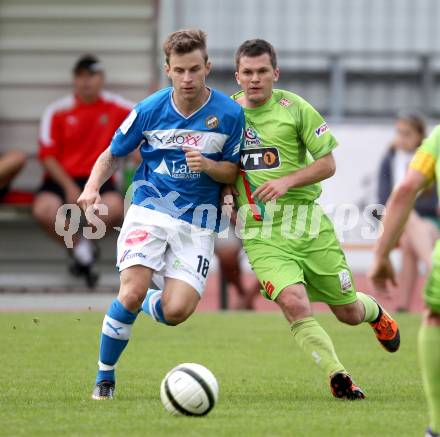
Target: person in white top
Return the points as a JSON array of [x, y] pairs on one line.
[[421, 230]]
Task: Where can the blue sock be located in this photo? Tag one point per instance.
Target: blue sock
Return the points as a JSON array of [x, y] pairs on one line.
[[152, 305], [116, 330]]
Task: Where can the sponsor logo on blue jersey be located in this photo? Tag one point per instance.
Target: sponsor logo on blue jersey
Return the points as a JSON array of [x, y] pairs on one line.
[[176, 170], [164, 181]]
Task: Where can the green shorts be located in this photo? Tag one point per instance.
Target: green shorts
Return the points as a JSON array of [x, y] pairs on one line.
[[432, 286], [316, 260]]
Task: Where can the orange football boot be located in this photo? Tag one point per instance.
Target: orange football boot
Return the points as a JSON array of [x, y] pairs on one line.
[[386, 330]]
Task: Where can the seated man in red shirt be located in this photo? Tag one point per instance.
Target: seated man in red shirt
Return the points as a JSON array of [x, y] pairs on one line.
[[74, 131], [10, 164]]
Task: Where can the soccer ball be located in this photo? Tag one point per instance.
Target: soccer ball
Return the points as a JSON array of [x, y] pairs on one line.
[[189, 389]]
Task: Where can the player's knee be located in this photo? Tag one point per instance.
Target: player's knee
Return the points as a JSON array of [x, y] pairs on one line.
[[131, 301], [294, 295], [43, 211], [132, 294], [294, 302]]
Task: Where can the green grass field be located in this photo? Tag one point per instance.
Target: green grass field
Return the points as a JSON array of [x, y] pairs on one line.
[[267, 387]]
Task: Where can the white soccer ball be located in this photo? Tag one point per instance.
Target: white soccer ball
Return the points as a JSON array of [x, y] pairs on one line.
[[189, 389]]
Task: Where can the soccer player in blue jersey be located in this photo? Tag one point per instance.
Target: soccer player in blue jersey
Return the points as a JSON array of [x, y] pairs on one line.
[[190, 138]]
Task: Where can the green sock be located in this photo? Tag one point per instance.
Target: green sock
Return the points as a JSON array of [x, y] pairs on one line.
[[429, 355], [315, 342], [370, 305]]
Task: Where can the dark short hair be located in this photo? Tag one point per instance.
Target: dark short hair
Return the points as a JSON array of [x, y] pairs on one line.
[[185, 41], [88, 63], [256, 47]]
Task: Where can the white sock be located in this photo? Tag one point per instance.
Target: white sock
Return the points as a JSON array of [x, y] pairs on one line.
[[152, 303], [83, 251]]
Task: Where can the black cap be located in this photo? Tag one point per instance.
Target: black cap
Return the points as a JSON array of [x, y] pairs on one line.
[[88, 63]]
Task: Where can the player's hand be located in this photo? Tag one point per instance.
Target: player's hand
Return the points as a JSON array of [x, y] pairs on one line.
[[72, 193], [382, 274], [271, 190], [195, 160], [88, 200]]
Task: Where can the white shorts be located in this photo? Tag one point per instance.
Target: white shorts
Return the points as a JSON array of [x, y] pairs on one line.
[[171, 247]]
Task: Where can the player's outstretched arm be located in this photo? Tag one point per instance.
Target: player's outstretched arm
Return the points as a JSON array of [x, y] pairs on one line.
[[104, 167], [398, 209], [224, 172]]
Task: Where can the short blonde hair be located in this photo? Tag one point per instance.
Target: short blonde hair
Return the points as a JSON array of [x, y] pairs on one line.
[[185, 41]]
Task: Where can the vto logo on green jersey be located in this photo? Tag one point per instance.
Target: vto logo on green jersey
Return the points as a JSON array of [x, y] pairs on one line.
[[262, 158]]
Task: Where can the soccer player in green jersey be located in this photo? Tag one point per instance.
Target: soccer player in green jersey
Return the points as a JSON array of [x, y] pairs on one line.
[[424, 170], [290, 242]]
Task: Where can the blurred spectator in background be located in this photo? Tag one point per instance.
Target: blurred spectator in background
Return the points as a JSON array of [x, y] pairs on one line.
[[10, 164], [74, 131], [421, 230], [228, 249]]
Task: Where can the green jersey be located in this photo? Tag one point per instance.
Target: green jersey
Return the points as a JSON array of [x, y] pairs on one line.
[[282, 136], [427, 160]]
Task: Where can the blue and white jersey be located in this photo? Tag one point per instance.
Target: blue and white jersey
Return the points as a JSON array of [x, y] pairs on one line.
[[164, 181]]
